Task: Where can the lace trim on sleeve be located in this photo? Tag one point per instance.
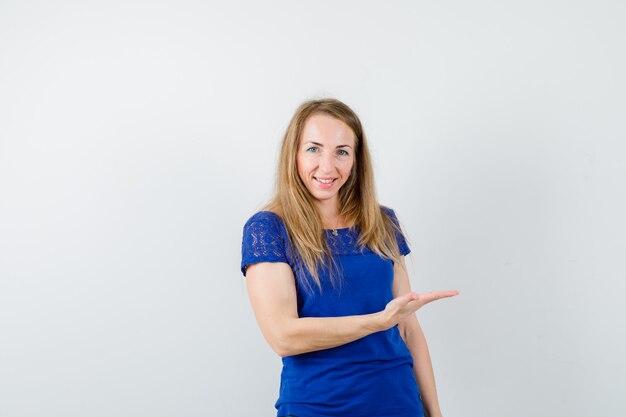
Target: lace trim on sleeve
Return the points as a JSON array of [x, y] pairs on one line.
[[262, 242]]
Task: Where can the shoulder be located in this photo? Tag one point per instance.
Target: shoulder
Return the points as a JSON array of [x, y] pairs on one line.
[[389, 212], [397, 230], [267, 221], [264, 240], [264, 216]]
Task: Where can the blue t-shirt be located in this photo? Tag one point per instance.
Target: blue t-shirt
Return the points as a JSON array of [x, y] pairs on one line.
[[371, 376]]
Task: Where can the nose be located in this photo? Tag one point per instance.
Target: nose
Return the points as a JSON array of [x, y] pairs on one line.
[[327, 162]]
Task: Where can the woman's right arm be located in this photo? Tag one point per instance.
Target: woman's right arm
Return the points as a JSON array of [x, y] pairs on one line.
[[272, 292]]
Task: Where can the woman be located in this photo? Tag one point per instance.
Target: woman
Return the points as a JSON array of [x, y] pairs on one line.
[[328, 283]]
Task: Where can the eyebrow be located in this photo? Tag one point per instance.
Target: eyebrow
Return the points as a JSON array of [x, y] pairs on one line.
[[319, 144]]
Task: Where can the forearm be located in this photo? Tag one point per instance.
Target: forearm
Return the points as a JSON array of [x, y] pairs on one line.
[[307, 334], [423, 370]]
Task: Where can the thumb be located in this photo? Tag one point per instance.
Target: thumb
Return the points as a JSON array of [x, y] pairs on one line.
[[410, 297]]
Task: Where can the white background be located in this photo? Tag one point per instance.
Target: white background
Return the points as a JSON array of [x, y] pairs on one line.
[[137, 137]]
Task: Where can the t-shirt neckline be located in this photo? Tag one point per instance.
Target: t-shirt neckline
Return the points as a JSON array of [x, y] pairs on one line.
[[326, 230]]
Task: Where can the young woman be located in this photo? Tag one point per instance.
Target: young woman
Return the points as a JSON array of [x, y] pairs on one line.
[[327, 280]]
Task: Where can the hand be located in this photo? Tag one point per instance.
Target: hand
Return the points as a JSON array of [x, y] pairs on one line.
[[401, 307]]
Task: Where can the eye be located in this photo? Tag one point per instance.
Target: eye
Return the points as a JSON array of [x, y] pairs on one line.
[[312, 149], [343, 152]]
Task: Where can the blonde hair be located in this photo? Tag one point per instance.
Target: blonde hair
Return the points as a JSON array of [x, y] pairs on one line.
[[357, 198]]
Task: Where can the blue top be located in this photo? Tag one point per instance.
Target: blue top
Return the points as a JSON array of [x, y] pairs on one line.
[[371, 376]]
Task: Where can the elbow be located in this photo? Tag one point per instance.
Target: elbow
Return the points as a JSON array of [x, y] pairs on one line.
[[281, 352], [285, 337], [277, 345], [281, 343], [409, 329], [402, 329], [282, 348]]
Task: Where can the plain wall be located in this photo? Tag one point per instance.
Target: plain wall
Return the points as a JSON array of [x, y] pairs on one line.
[[136, 138]]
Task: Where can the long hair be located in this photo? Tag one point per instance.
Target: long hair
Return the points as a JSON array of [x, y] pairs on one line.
[[357, 198]]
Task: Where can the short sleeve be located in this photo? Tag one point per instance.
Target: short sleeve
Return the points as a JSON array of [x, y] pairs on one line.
[[402, 245], [262, 240]]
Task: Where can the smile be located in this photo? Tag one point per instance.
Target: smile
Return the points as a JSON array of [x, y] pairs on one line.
[[325, 182]]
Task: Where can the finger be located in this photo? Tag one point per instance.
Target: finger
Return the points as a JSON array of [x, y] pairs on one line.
[[448, 293], [410, 296], [437, 295]]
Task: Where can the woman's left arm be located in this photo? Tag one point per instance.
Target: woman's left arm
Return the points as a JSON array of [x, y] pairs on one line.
[[415, 340]]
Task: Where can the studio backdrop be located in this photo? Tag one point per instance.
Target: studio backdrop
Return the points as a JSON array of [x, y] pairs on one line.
[[137, 137]]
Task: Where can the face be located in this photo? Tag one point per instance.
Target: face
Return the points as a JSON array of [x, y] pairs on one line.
[[325, 156]]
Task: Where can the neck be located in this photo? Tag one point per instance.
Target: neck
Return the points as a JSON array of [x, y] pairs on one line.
[[329, 211]]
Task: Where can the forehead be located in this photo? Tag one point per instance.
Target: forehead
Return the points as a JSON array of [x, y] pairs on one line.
[[323, 128]]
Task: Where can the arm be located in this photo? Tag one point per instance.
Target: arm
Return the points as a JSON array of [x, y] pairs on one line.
[[413, 336], [272, 292]]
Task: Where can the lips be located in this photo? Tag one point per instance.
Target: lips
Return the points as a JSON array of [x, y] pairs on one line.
[[325, 182]]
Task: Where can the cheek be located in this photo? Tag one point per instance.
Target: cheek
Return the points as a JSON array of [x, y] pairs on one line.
[[346, 169], [301, 166]]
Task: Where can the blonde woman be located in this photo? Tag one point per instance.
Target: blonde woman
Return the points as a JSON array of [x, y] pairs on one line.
[[326, 277]]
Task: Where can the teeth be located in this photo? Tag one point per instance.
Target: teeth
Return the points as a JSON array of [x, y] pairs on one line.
[[324, 181]]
